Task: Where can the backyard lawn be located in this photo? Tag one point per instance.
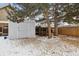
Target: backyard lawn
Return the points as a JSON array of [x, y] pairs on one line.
[[57, 46]]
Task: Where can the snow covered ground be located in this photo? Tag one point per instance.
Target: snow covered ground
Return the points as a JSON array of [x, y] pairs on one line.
[[40, 46]]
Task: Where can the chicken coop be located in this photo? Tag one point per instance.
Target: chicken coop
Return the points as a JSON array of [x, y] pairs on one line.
[[24, 29]]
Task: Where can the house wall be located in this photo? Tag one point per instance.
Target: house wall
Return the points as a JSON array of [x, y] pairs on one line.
[[24, 29], [3, 15]]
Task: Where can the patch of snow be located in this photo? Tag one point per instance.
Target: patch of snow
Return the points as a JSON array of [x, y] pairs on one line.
[[41, 46]]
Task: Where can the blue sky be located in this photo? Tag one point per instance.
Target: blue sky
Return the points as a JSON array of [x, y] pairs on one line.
[[3, 4]]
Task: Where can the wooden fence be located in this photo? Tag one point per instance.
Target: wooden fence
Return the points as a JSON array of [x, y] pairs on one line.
[[70, 31]]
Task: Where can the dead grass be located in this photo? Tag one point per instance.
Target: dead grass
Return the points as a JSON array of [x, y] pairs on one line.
[[70, 40]]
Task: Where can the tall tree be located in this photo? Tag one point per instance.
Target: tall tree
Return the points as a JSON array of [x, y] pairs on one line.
[[72, 13], [65, 12], [57, 10]]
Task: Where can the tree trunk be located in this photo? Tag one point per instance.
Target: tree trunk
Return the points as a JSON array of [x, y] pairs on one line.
[[55, 21], [55, 28], [48, 23]]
